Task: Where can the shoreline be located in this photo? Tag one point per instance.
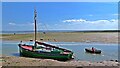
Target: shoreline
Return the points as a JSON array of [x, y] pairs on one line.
[[104, 37], [64, 43], [23, 61]]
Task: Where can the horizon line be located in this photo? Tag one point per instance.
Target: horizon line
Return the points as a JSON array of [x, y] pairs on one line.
[[65, 30]]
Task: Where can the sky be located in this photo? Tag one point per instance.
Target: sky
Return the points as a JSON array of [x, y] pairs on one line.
[[19, 16], [60, 0]]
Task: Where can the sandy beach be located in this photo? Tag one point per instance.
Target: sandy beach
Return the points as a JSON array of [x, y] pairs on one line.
[[102, 37], [22, 61]]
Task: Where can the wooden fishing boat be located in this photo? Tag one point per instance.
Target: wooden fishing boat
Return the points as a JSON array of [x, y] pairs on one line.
[[49, 51], [44, 50], [91, 51]]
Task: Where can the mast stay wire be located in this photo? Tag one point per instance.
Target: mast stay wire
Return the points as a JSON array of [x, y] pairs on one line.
[[51, 36], [48, 30]]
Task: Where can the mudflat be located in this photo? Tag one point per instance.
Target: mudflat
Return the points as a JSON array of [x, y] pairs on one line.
[[22, 61], [104, 37]]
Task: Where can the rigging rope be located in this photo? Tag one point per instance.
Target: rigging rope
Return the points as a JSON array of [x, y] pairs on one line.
[[48, 37]]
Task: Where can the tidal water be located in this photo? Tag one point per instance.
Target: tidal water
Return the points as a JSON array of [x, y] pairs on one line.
[[109, 51]]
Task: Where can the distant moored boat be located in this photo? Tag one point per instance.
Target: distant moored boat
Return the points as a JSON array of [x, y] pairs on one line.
[[95, 51]]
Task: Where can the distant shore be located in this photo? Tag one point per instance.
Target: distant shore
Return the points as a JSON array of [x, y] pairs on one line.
[[22, 61], [87, 37]]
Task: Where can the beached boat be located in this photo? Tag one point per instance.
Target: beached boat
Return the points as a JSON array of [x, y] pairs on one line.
[[44, 50], [91, 51]]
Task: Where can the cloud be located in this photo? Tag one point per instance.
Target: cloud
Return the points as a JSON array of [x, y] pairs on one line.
[[70, 24], [116, 14], [75, 20], [103, 21], [83, 24], [91, 22], [12, 23], [15, 26], [90, 15], [23, 24]]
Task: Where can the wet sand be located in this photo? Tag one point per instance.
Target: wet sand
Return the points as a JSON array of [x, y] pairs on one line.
[[22, 61], [102, 37]]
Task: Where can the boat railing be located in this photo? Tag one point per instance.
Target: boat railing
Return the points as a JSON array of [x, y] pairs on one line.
[[41, 43]]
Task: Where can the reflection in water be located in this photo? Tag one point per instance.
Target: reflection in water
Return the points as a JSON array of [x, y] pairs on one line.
[[15, 54]]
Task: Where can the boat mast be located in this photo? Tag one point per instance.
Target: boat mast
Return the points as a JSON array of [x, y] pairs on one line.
[[35, 15]]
